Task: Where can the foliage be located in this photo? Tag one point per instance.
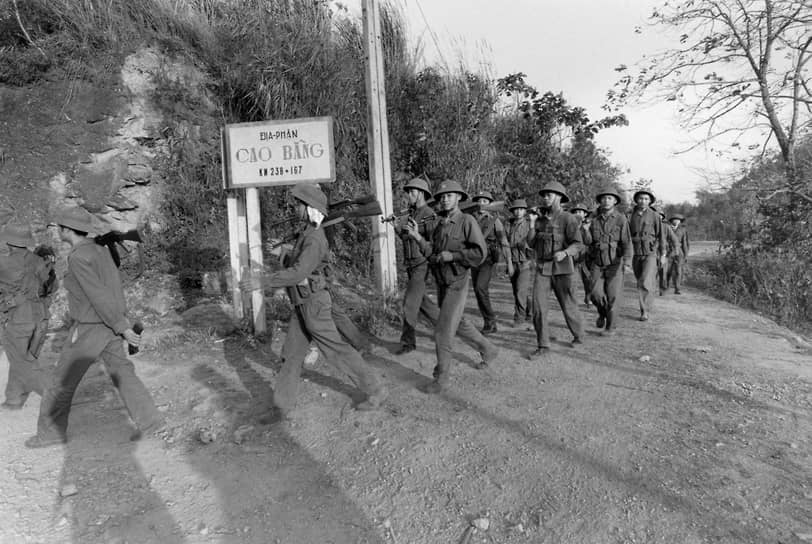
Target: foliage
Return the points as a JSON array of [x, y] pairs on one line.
[[775, 281], [741, 70]]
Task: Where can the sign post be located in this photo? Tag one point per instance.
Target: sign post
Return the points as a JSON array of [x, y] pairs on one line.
[[266, 154], [380, 170]]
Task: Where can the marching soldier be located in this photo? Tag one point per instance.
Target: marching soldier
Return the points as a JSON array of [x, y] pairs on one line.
[[610, 255], [26, 284], [422, 219], [669, 242], [678, 253], [648, 243], [494, 233], [305, 280], [555, 237], [518, 269], [98, 309], [582, 262], [456, 244]]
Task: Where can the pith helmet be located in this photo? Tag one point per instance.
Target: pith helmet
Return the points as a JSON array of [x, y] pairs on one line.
[[677, 216], [580, 206], [450, 186], [484, 194], [557, 188], [518, 203], [420, 184], [644, 192], [17, 235], [311, 194], [607, 191], [76, 218]]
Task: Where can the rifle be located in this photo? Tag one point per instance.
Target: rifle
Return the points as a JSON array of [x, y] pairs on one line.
[[332, 209], [115, 239], [470, 206], [369, 208]]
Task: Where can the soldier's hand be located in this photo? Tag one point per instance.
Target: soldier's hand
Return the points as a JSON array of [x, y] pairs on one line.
[[446, 256], [559, 256], [412, 229], [250, 283], [510, 270], [533, 214], [132, 337]]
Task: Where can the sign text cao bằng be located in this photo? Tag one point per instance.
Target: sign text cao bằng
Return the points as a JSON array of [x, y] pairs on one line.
[[283, 152]]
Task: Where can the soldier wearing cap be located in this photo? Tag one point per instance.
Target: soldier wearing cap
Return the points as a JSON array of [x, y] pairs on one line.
[[304, 278], [494, 233], [581, 211], [421, 219], [610, 255], [455, 245], [98, 309], [669, 240], [678, 247], [649, 247], [555, 237], [517, 229], [26, 283]]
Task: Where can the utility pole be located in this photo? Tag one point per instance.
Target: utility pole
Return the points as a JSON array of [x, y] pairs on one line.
[[380, 171]]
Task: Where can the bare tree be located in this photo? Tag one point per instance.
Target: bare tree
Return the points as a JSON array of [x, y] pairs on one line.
[[742, 68]]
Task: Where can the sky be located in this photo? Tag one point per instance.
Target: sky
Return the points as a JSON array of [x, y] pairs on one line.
[[571, 46]]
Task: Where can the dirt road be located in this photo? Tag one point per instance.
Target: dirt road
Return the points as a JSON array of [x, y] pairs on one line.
[[693, 427]]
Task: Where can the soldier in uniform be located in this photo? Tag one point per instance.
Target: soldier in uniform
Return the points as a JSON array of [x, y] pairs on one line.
[[456, 244], [555, 237], [518, 268], [98, 309], [648, 244], [304, 278], [582, 262], [668, 241], [26, 283], [494, 233], [677, 251], [610, 255], [421, 218]]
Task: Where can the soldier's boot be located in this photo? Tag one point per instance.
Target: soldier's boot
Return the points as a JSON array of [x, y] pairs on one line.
[[374, 400]]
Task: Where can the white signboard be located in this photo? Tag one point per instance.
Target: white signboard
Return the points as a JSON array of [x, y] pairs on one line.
[[278, 152]]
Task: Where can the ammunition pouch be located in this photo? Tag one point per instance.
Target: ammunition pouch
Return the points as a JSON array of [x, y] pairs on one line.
[[604, 253], [643, 245], [547, 246], [493, 253]]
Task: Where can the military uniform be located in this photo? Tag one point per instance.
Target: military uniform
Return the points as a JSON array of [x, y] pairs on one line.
[[678, 247], [459, 234], [611, 246], [494, 233], [582, 263], [648, 245], [312, 315], [415, 299], [25, 285], [97, 307], [516, 232], [554, 232]]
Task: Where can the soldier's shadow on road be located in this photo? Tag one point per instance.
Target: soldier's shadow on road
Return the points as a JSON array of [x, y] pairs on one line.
[[109, 497], [270, 488]]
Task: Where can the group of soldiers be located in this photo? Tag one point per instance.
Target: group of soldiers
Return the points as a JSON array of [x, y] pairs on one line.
[[99, 326], [545, 248]]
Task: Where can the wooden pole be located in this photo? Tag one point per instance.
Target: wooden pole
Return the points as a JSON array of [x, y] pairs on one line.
[[380, 174], [252, 215]]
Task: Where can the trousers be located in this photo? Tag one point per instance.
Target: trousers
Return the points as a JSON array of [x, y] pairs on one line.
[[563, 288], [481, 277], [86, 343], [676, 269], [25, 374], [312, 322], [605, 289], [520, 283], [449, 321], [645, 271]]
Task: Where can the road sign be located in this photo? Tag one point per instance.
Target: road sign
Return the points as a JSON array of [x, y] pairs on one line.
[[285, 152]]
